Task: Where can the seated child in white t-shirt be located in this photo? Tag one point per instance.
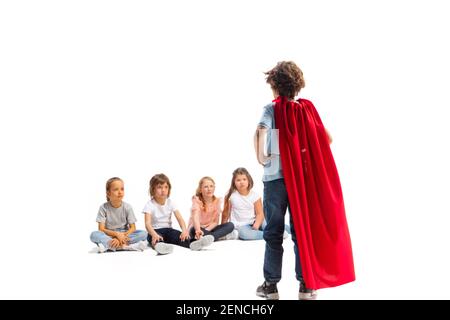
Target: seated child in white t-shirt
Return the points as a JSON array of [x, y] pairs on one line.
[[158, 220], [243, 207]]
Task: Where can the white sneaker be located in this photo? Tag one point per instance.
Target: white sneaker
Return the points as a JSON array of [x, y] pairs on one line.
[[139, 246], [130, 247], [101, 248], [202, 243], [234, 235], [163, 248]]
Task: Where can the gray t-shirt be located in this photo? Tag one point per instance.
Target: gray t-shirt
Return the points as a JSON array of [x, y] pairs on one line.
[[272, 169], [116, 218]]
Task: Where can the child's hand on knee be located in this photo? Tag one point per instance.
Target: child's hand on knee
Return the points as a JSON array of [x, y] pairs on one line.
[[156, 238], [198, 234], [115, 243], [121, 237], [184, 235]]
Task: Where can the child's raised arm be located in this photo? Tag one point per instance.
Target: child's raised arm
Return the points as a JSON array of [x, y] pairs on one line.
[[259, 141], [259, 214]]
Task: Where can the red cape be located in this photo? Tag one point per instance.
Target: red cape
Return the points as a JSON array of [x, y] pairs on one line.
[[315, 195]]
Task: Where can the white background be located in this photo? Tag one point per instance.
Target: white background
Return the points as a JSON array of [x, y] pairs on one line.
[[95, 89]]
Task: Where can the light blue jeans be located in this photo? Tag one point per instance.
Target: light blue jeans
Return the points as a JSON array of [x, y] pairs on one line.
[[246, 232], [101, 237]]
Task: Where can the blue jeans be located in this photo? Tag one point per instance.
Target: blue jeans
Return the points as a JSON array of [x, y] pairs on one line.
[[246, 232], [101, 237], [218, 232], [275, 205]]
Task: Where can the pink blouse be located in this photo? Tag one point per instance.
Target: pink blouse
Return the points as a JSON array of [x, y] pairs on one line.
[[208, 213]]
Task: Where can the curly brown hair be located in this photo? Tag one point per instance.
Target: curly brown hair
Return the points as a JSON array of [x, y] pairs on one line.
[[286, 79]]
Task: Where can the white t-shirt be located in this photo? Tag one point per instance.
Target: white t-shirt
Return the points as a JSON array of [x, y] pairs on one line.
[[161, 214], [243, 208]]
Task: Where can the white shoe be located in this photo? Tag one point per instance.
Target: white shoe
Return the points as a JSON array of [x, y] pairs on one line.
[[234, 235], [138, 246], [202, 243], [130, 247], [101, 248], [163, 248]]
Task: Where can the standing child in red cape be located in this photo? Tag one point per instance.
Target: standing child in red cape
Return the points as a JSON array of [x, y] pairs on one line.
[[300, 173]]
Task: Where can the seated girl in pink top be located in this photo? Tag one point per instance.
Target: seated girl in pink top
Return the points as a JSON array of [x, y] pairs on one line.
[[205, 212]]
